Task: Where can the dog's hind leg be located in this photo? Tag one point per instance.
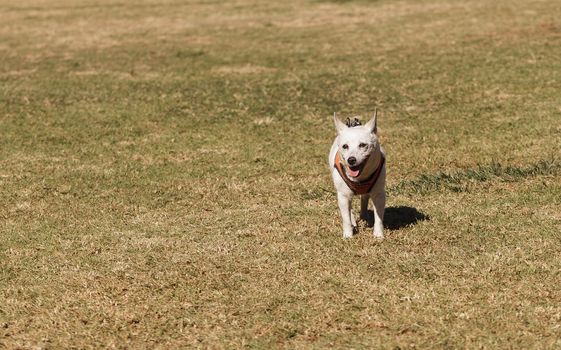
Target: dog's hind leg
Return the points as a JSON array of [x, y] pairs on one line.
[[364, 207], [379, 207], [345, 209], [365, 214]]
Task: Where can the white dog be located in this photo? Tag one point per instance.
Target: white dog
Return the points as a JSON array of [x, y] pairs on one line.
[[358, 167]]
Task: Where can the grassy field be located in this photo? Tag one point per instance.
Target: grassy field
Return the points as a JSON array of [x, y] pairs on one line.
[[164, 178]]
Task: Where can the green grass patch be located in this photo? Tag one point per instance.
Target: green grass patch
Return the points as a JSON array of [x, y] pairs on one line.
[[462, 181]]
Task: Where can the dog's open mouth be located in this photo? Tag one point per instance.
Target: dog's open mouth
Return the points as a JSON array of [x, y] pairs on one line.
[[354, 171]]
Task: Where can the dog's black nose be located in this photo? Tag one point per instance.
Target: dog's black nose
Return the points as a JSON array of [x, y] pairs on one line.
[[351, 161]]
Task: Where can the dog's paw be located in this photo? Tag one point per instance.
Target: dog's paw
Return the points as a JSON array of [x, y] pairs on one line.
[[378, 234], [347, 234]]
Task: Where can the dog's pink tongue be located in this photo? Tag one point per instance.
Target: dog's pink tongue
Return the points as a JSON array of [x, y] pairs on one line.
[[353, 173]]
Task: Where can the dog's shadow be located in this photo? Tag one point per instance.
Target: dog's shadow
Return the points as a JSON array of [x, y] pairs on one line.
[[396, 218]]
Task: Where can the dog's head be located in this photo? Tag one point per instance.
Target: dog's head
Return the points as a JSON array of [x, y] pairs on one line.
[[356, 144]]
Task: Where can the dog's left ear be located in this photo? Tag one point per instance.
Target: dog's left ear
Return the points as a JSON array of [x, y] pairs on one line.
[[371, 125]]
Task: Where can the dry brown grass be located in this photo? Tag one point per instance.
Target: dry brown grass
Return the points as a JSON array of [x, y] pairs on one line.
[[163, 177]]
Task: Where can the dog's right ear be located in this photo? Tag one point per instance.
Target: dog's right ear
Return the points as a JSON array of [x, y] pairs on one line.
[[339, 125]]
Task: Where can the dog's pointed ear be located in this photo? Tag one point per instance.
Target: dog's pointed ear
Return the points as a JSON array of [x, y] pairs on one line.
[[371, 125], [339, 125]]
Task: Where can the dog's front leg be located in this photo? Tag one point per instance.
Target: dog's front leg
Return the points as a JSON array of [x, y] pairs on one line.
[[345, 209], [379, 207]]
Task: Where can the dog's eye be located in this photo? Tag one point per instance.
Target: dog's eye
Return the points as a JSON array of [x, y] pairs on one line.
[[345, 146], [362, 145]]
